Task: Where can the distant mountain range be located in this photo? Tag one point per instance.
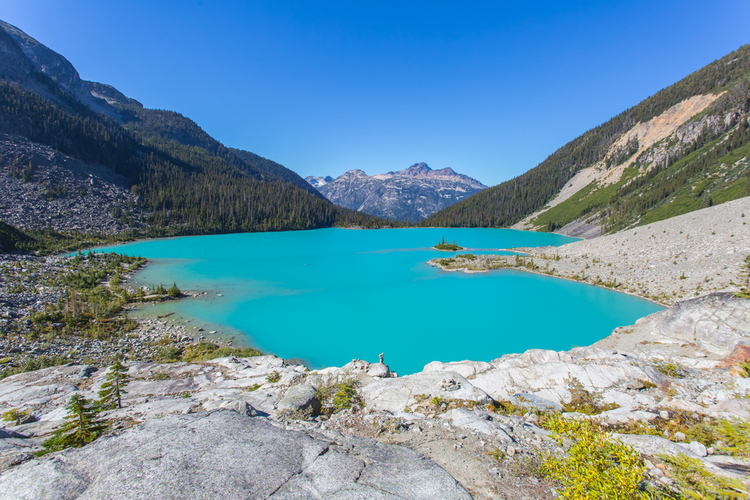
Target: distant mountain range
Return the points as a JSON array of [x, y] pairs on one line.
[[413, 193], [57, 129]]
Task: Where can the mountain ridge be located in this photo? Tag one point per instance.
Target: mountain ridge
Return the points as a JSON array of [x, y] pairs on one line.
[[411, 194], [511, 201]]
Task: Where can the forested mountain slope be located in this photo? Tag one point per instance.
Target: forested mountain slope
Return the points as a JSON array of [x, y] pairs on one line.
[[186, 181], [661, 175]]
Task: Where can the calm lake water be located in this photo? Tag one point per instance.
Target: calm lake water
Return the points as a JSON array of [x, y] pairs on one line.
[[331, 295]]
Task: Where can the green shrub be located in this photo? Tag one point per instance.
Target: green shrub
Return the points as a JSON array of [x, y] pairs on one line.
[[16, 416], [168, 354], [669, 369], [345, 396], [595, 466], [204, 351], [273, 377], [583, 401], [253, 388]]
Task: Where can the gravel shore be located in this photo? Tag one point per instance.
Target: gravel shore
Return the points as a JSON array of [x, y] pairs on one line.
[[687, 256]]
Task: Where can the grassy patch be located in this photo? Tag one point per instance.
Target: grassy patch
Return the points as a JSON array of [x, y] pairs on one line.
[[679, 205], [204, 351]]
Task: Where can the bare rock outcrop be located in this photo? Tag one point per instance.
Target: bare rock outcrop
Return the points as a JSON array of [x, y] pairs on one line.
[[716, 323], [223, 454]]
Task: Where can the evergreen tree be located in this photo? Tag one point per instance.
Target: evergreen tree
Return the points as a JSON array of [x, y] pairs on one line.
[[82, 426], [110, 395], [174, 292]]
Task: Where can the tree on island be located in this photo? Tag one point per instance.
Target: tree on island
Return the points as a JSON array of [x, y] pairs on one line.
[[447, 246], [173, 291], [110, 395], [82, 426]]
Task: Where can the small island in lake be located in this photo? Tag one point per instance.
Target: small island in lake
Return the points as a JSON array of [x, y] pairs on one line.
[[448, 246]]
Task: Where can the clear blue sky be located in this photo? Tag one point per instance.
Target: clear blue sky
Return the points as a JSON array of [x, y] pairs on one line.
[[489, 89]]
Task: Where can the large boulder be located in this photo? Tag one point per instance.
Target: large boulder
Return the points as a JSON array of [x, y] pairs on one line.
[[395, 394], [300, 398], [225, 455], [379, 370]]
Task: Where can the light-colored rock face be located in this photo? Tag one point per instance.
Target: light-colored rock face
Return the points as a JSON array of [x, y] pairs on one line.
[[646, 134], [467, 369], [716, 323], [225, 455], [416, 192], [396, 394], [484, 424], [549, 379]]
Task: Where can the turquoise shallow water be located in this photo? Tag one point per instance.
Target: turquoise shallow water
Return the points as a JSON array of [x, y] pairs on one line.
[[331, 295]]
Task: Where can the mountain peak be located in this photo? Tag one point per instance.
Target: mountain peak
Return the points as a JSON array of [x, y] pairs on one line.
[[417, 169], [415, 192]]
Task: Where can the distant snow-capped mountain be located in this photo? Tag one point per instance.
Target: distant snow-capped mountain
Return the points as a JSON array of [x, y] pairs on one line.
[[318, 182], [415, 193]]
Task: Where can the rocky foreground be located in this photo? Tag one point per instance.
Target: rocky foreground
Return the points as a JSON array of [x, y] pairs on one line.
[[256, 427]]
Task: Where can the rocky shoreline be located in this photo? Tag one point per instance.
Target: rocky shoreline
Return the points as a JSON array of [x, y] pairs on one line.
[[30, 284], [687, 256]]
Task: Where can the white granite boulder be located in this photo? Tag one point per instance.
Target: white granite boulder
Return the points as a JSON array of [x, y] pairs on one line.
[[395, 394]]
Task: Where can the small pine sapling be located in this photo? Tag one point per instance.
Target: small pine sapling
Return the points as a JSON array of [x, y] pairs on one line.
[[110, 395], [82, 426]]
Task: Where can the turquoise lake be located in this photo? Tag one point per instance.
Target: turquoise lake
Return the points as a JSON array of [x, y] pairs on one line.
[[331, 295]]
